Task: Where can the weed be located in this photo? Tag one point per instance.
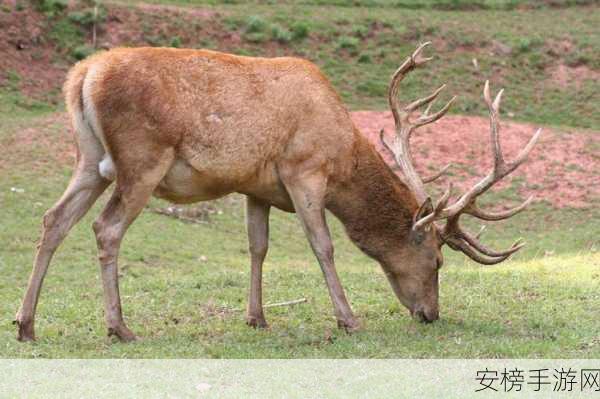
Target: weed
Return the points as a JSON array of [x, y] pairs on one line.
[[280, 34], [51, 7], [81, 52], [348, 43], [256, 24], [300, 30], [175, 42]]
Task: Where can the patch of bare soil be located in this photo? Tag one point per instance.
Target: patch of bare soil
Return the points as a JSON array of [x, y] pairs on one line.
[[26, 53], [45, 144], [563, 168], [564, 75]]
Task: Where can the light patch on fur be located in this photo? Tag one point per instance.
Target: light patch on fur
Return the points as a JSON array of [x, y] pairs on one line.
[[89, 109], [106, 167], [214, 118]]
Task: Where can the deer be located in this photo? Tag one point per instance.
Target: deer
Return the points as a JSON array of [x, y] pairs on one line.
[[195, 125]]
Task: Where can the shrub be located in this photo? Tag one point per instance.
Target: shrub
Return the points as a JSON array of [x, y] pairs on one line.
[[255, 24], [81, 52], [175, 42], [51, 7], [364, 59], [300, 30], [88, 17], [360, 31], [280, 34], [348, 43]]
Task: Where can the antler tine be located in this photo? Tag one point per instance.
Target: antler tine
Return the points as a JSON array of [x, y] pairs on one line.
[[384, 142], [464, 247], [479, 213], [425, 100], [436, 176], [439, 208], [427, 119], [475, 243]]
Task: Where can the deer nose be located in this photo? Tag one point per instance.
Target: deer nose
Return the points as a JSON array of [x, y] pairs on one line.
[[426, 315]]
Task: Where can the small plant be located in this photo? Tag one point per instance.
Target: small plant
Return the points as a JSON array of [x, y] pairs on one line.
[[526, 44], [256, 24], [89, 16], [280, 34], [256, 28], [360, 31], [81, 52], [175, 42], [348, 43], [364, 59], [51, 7], [13, 79], [300, 30]]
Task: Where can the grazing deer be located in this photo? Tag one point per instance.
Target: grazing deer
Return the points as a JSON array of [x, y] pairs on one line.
[[188, 125]]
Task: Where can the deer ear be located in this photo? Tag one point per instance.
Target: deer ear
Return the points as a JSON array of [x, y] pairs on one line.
[[425, 209]]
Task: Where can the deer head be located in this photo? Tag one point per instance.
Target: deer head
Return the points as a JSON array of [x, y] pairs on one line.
[[414, 277]]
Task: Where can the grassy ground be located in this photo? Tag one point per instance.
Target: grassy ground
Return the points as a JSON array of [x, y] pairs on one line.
[[183, 285]]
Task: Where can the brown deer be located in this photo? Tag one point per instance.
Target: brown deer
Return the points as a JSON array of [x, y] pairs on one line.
[[194, 125]]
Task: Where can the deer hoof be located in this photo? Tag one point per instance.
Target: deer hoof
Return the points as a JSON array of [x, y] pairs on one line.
[[256, 322], [25, 331], [123, 333], [349, 325]]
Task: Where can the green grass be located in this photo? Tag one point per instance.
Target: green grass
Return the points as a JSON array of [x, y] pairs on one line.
[[183, 285]]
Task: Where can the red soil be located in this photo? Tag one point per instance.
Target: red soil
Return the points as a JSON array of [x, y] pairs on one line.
[[563, 168]]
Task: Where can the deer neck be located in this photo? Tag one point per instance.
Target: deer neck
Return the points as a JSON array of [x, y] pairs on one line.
[[372, 203]]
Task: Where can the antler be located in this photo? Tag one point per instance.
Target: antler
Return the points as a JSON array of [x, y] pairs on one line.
[[452, 233], [404, 126]]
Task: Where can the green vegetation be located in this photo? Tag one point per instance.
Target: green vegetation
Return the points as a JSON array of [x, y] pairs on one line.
[[184, 285], [359, 50]]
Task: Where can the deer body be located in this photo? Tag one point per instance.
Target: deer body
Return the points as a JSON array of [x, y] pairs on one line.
[[230, 120], [193, 125]]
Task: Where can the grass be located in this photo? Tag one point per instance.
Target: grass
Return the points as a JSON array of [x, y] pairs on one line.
[[183, 285]]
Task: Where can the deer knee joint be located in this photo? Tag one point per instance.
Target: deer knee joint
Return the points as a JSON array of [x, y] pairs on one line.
[[324, 251], [259, 249]]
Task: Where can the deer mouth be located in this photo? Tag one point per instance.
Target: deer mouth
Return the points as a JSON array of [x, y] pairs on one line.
[[423, 316]]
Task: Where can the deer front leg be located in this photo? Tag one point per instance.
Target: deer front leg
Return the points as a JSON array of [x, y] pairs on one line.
[[307, 193], [257, 223]]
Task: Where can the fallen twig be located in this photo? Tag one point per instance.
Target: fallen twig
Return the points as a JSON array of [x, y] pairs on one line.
[[286, 303], [170, 212]]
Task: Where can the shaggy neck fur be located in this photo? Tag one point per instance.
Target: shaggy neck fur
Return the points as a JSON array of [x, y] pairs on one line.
[[374, 205]]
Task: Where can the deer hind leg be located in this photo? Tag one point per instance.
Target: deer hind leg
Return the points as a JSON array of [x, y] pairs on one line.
[[308, 192], [85, 187], [257, 222], [129, 198]]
